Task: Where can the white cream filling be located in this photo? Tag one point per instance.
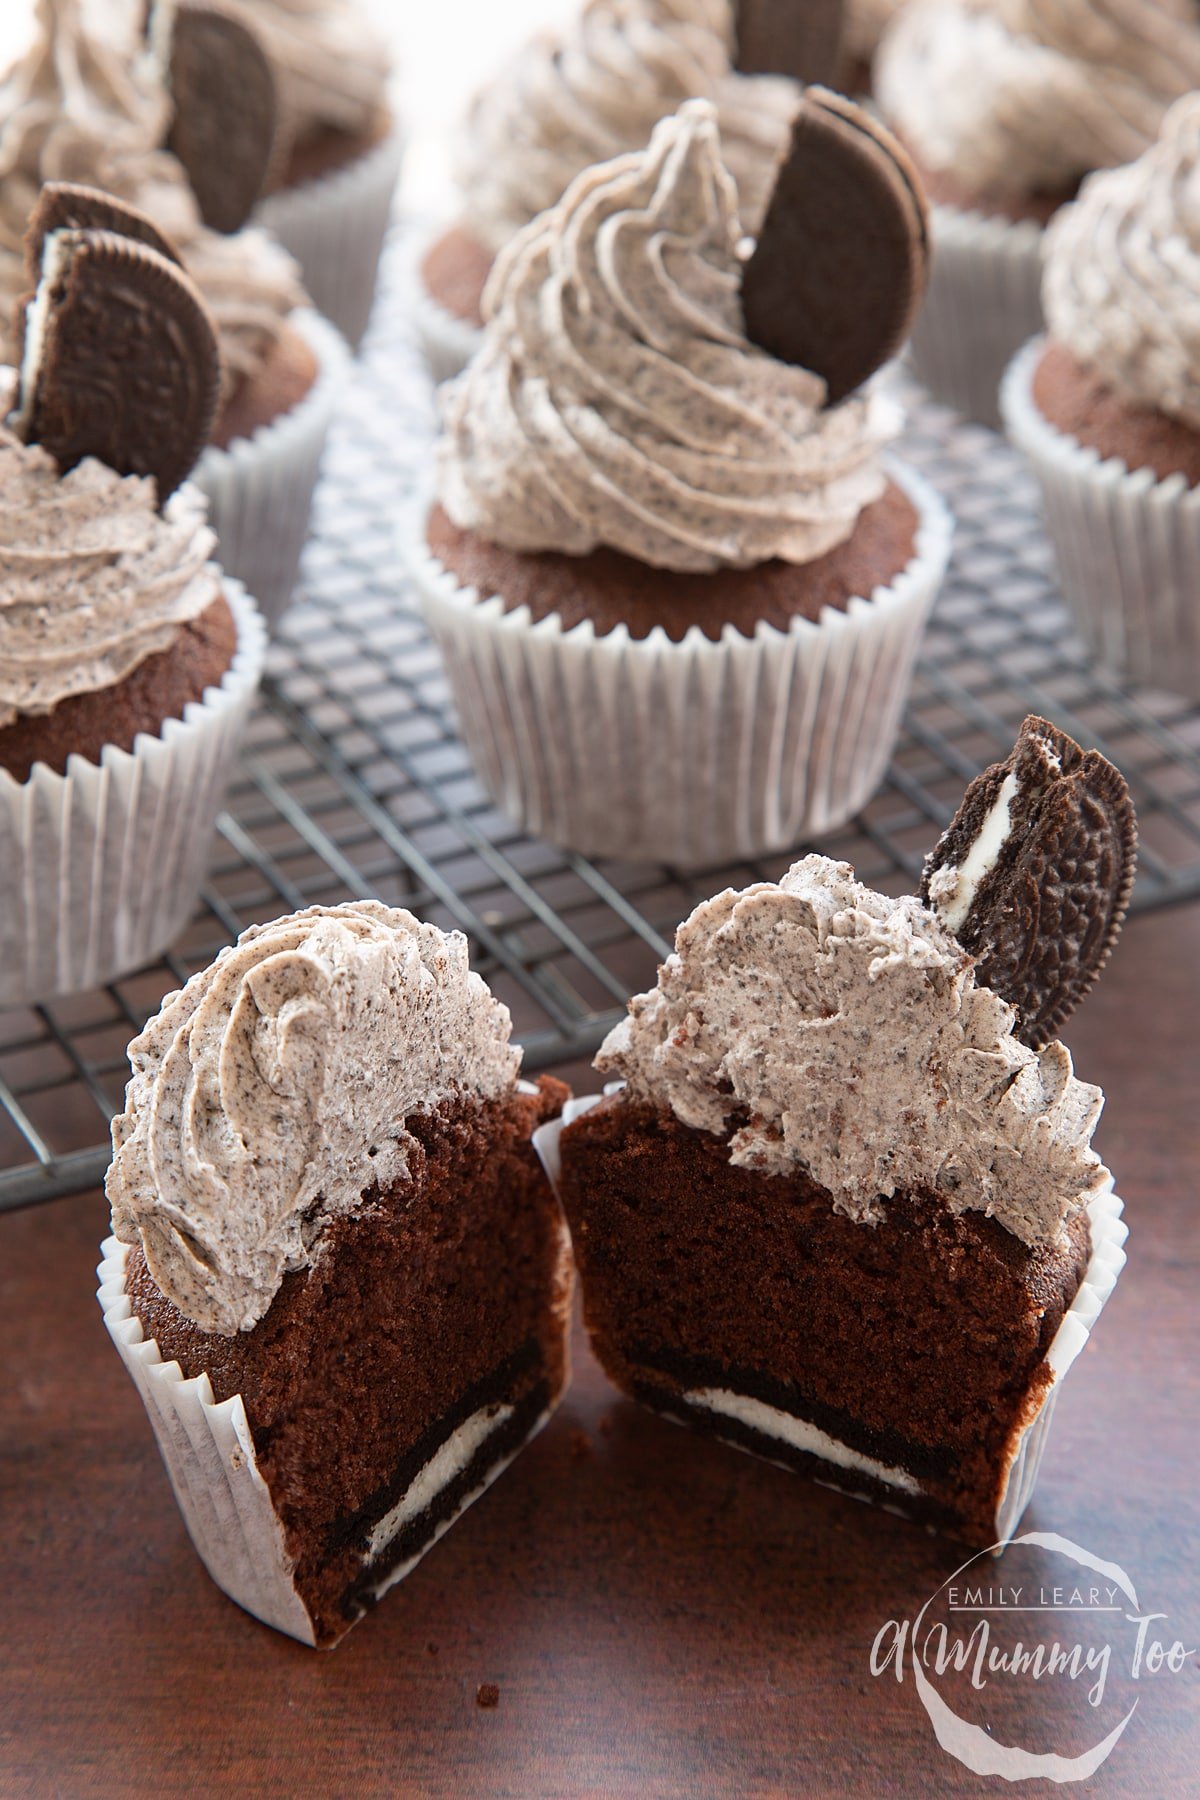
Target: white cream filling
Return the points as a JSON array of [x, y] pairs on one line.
[[55, 251], [447, 1462], [799, 1434], [953, 890]]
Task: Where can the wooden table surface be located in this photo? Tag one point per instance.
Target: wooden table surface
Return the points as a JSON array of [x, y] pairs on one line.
[[661, 1615]]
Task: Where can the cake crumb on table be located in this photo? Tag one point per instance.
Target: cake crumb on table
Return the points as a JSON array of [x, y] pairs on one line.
[[487, 1694]]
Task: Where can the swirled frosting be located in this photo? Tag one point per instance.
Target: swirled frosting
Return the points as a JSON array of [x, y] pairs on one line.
[[269, 1096], [865, 23], [616, 399], [1121, 281], [831, 1030], [84, 105], [330, 64], [93, 579], [567, 102], [1025, 96]]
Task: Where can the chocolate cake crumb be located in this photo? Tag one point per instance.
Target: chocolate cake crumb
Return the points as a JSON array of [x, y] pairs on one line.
[[487, 1694]]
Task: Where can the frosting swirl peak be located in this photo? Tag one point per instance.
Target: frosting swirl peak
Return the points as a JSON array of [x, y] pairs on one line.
[[92, 579], [1025, 96], [836, 1031], [269, 1096], [616, 399], [1121, 282]]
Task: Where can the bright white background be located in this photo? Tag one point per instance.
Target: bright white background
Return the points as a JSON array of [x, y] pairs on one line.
[[444, 49]]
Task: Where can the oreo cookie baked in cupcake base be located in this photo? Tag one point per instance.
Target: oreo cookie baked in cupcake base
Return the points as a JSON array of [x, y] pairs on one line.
[[631, 712]]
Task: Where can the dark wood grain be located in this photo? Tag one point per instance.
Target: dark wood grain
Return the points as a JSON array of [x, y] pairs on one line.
[[661, 1616]]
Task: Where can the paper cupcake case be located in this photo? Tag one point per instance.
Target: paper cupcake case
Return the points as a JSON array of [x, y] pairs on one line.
[[1107, 1259], [1127, 546], [984, 300], [696, 752], [210, 1458], [335, 227], [109, 857], [260, 489], [448, 343]]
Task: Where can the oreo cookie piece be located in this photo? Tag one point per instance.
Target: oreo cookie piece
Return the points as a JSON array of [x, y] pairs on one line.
[[800, 38], [1034, 872], [837, 274], [119, 359], [64, 206], [226, 111]]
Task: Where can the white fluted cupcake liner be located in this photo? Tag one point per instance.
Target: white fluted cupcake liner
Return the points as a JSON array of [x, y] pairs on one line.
[[1127, 545], [1107, 1259], [210, 1458], [104, 863], [260, 489], [984, 300], [448, 343], [693, 753], [335, 227]]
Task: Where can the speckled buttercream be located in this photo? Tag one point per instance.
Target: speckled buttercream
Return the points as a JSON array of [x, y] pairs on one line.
[[88, 105], [830, 1029], [93, 579], [567, 102], [616, 399], [1025, 96], [270, 1095], [1121, 286]]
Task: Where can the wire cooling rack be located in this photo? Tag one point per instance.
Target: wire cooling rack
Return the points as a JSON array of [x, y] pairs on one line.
[[354, 782]]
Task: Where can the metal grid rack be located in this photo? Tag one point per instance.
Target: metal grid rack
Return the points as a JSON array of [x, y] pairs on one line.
[[353, 781]]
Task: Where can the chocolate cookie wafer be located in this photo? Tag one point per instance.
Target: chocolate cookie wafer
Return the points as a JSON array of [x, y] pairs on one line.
[[119, 355], [784, 37], [839, 269], [1034, 872], [226, 111], [65, 206]]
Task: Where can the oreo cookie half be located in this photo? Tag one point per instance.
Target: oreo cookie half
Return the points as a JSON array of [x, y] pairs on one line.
[[837, 274], [1034, 872], [119, 359], [64, 206], [226, 111], [800, 38]]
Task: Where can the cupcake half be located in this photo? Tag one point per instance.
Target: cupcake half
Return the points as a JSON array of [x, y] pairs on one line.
[[843, 1209], [338, 1276], [1107, 408], [570, 100], [281, 366], [677, 587], [128, 659], [1005, 109]]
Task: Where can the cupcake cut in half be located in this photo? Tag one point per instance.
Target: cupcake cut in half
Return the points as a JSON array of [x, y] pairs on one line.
[[1107, 407], [339, 1276], [1005, 108], [677, 588], [845, 1198], [595, 90], [128, 659]]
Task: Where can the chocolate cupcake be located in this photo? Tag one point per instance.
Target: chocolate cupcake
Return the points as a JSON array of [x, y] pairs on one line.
[[128, 660], [339, 1278], [1107, 408], [1005, 109], [570, 100], [677, 591], [844, 1210], [87, 105]]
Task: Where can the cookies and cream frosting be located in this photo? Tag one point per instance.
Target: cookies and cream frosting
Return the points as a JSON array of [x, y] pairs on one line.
[[93, 579], [1025, 96], [85, 105], [616, 399], [567, 102], [831, 1030], [1121, 281], [269, 1096], [329, 61]]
